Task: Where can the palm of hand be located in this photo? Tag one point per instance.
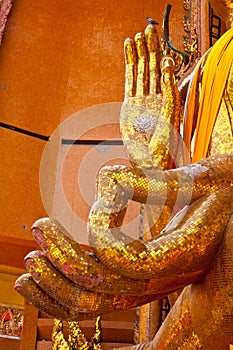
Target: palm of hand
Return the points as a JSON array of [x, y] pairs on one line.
[[150, 112]]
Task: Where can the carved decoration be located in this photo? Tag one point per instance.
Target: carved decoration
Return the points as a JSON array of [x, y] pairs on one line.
[[11, 321], [191, 28]]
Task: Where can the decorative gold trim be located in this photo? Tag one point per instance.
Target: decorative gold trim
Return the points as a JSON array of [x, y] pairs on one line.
[[191, 28], [11, 321], [76, 338]]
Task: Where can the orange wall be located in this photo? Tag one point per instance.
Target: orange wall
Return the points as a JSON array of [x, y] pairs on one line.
[[58, 57]]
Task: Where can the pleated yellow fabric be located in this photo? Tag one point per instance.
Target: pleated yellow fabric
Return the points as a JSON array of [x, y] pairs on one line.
[[190, 105], [215, 75]]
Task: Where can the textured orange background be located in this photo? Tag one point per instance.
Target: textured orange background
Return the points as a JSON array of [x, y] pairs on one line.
[[58, 57]]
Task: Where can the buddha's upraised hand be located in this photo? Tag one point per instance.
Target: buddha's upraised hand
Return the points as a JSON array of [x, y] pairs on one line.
[[150, 112]]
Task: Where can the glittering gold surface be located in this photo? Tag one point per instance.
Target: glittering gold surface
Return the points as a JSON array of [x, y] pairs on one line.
[[76, 338], [194, 251], [78, 265], [211, 301], [179, 256], [97, 338], [26, 286], [178, 186], [157, 218], [187, 239], [222, 136], [53, 306], [58, 340], [177, 332], [149, 100], [75, 303], [150, 114]]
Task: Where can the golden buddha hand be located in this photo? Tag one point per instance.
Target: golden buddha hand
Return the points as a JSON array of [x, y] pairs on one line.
[[150, 113], [77, 285]]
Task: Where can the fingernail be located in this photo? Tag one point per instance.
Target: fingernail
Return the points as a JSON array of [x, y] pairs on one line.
[[39, 236]]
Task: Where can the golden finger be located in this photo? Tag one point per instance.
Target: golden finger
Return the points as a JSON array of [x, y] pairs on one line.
[[72, 297], [28, 289], [57, 286], [152, 43], [165, 141], [80, 266], [168, 81], [142, 69], [130, 68]]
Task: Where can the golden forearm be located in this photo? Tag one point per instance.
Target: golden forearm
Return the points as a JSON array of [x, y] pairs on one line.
[[170, 187]]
